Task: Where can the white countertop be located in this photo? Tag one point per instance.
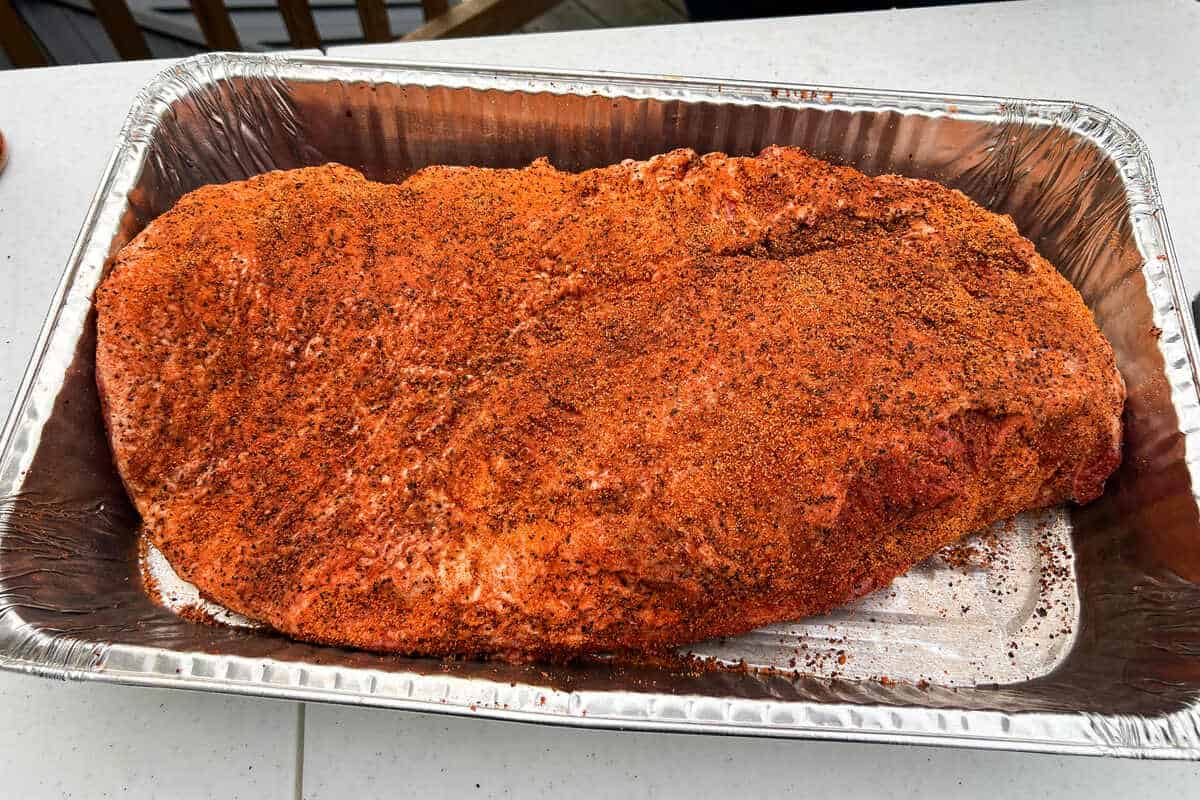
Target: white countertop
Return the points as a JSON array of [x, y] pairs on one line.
[[1136, 59]]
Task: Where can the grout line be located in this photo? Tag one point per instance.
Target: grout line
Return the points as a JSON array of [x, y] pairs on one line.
[[299, 793]]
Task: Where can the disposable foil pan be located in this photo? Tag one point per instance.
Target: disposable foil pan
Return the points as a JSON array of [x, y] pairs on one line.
[[1078, 630]]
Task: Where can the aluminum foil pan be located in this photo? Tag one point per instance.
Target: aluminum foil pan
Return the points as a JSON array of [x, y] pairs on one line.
[[1072, 630]]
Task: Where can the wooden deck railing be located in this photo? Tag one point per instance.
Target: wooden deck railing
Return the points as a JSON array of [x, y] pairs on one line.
[[468, 18]]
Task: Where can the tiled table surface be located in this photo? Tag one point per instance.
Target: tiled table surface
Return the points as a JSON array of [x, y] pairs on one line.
[[81, 740]]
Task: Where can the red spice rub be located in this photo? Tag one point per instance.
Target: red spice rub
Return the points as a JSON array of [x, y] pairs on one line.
[[538, 414]]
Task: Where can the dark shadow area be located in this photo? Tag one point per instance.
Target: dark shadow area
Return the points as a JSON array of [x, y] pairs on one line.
[[68, 31]]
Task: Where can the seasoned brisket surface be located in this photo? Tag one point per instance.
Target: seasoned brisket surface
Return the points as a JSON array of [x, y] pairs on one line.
[[536, 414]]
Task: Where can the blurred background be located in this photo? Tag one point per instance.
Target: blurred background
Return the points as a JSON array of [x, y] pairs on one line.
[[50, 32]]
